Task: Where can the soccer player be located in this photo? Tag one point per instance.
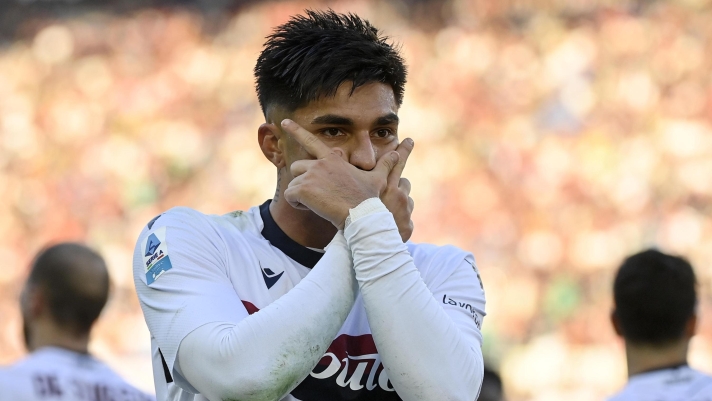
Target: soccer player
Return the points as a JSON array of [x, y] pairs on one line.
[[66, 290], [655, 299], [315, 294]]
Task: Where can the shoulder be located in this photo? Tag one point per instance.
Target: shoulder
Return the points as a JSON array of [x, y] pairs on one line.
[[184, 227], [623, 394], [700, 374], [105, 376], [438, 254], [20, 380], [180, 229], [197, 223], [27, 364], [441, 259], [703, 386], [11, 383], [438, 263], [194, 241], [178, 216], [49, 370]]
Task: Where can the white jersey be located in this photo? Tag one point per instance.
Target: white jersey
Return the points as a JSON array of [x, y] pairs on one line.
[[680, 383], [57, 374], [183, 255]]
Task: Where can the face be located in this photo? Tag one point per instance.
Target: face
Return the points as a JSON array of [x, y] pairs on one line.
[[363, 124]]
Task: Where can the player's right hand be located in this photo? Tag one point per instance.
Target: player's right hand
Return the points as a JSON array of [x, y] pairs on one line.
[[330, 185], [396, 196]]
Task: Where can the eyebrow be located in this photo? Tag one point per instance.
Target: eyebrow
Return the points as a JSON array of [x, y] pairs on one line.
[[388, 119], [333, 119]]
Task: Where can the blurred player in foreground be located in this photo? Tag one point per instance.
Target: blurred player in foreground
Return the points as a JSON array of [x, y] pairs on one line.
[[655, 299], [66, 290], [314, 295], [491, 387]]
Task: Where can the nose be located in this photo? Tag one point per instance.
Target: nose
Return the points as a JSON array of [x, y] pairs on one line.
[[361, 152]]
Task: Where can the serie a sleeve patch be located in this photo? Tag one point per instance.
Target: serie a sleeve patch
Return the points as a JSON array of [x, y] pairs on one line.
[[155, 255]]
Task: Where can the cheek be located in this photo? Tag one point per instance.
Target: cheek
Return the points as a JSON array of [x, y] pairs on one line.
[[385, 147], [294, 153]]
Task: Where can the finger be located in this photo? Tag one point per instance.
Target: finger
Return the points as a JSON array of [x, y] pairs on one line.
[[300, 167], [293, 194], [387, 162], [404, 184], [309, 141], [404, 148]]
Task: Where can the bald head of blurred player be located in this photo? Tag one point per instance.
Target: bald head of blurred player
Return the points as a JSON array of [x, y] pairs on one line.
[[66, 290], [655, 298]]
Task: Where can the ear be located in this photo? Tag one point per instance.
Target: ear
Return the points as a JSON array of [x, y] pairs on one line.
[[268, 135], [691, 326], [616, 323], [34, 302]]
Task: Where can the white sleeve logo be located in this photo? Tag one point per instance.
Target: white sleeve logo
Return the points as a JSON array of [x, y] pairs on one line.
[[155, 255]]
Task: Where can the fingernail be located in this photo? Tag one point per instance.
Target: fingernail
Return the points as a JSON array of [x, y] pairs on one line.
[[286, 123], [410, 142]]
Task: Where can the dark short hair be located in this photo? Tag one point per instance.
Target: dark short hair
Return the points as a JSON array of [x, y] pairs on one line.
[[311, 55], [655, 296], [75, 283]]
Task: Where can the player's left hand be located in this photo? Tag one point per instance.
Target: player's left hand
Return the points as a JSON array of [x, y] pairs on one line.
[[329, 185], [396, 196]]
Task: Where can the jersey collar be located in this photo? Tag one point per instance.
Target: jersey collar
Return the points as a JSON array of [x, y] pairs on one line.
[[271, 231], [661, 368]]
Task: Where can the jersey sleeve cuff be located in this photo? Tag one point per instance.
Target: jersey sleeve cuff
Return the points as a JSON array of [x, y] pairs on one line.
[[365, 208]]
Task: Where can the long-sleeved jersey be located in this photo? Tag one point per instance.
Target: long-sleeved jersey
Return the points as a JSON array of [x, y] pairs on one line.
[[235, 304], [677, 383], [58, 374]]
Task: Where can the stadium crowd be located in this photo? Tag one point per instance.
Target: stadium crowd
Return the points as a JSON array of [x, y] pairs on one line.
[[551, 143]]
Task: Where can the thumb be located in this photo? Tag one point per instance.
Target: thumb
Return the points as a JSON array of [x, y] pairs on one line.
[[387, 162]]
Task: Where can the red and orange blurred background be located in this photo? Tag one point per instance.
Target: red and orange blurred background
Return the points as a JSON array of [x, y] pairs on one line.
[[553, 138]]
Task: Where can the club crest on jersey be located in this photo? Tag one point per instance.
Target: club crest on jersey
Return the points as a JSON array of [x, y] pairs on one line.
[[155, 255]]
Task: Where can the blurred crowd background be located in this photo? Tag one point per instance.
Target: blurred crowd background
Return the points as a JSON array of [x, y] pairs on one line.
[[553, 138]]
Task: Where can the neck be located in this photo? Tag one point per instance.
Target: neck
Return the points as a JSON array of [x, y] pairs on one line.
[[303, 226], [48, 334], [643, 358]]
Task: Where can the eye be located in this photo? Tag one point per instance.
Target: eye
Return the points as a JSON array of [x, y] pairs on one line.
[[383, 133], [331, 132]]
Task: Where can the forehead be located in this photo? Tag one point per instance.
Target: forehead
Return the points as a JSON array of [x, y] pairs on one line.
[[367, 102]]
